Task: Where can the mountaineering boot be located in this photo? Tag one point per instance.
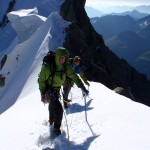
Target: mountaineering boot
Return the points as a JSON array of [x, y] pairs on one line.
[[50, 122], [68, 100], [57, 131], [65, 105]]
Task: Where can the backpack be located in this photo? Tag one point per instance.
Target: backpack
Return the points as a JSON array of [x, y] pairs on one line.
[[50, 58], [70, 60]]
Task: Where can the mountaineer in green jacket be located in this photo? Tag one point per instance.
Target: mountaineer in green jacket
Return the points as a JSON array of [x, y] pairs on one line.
[[76, 65], [50, 82]]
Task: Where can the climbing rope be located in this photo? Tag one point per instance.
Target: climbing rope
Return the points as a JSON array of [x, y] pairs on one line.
[[66, 121]]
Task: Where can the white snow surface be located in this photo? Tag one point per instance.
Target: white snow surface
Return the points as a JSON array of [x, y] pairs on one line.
[[114, 122]]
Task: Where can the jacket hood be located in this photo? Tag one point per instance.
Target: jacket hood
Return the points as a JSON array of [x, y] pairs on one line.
[[60, 51]]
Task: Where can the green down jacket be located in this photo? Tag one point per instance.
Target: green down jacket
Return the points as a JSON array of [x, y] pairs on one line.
[[45, 78]]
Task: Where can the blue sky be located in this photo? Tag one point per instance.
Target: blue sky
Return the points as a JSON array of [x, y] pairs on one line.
[[118, 2]]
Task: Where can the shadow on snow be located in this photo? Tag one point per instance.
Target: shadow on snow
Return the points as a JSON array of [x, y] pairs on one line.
[[75, 107]]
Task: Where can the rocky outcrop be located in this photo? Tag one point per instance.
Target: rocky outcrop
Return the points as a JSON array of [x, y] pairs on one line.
[[9, 9], [3, 61], [101, 64], [2, 81]]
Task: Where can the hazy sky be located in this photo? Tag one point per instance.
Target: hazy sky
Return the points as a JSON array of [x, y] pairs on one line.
[[118, 2]]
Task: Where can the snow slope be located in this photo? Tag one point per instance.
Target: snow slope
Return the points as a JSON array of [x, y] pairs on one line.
[[27, 56], [113, 123]]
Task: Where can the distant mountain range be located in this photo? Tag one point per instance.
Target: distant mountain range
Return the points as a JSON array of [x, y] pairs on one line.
[[92, 12], [117, 9], [111, 25], [128, 38], [143, 8], [134, 14]]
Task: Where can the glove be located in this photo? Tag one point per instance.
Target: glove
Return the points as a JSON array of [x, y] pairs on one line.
[[43, 98], [84, 90], [87, 83], [47, 97]]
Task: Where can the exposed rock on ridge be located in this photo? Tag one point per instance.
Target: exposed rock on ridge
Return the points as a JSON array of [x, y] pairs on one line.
[[101, 64]]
